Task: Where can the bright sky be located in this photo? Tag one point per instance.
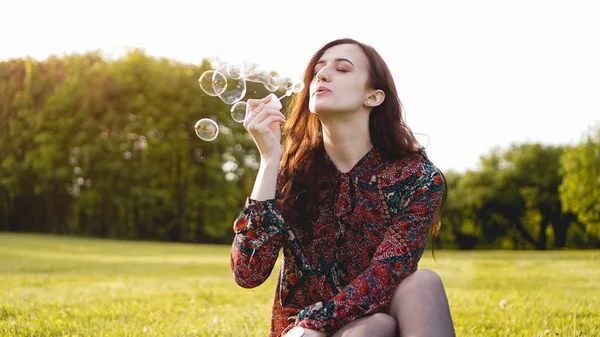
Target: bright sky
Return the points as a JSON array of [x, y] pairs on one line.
[[471, 74]]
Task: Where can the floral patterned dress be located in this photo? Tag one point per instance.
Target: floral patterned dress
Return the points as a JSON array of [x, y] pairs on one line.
[[368, 237]]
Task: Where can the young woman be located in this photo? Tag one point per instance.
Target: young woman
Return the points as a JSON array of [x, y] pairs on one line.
[[351, 198]]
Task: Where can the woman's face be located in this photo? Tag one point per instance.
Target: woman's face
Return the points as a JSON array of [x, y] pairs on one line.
[[340, 80]]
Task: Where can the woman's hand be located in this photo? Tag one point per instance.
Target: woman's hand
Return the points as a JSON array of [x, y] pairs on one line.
[[263, 119], [308, 332]]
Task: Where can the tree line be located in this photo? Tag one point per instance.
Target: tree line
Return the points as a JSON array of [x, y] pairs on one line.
[[106, 148]]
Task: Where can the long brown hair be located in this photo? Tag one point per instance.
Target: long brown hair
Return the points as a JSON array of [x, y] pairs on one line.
[[304, 169]]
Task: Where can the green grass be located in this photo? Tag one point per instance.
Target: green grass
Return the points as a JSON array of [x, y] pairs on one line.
[[60, 286]]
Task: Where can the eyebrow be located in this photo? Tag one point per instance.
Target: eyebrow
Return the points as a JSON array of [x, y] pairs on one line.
[[337, 60]]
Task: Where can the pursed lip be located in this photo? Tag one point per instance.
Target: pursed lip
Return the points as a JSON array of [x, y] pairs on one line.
[[321, 90]]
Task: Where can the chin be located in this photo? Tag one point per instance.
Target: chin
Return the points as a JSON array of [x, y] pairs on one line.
[[320, 108], [329, 110]]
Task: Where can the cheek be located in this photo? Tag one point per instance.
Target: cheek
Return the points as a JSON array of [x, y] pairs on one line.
[[355, 95], [355, 89], [311, 104], [312, 87]]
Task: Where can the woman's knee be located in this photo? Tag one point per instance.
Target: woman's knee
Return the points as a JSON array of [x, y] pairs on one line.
[[422, 281], [422, 278], [385, 323]]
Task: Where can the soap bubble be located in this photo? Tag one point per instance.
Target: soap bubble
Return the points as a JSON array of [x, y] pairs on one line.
[[213, 83], [207, 129], [258, 77], [271, 87], [238, 111], [298, 87], [235, 89], [288, 84], [235, 71], [228, 82], [250, 69], [273, 83], [257, 74]]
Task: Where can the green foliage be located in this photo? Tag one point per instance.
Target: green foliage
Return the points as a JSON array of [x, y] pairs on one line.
[[97, 147], [580, 188], [62, 286], [512, 201]]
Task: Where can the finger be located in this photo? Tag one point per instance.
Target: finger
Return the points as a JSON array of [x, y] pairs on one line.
[[263, 126], [253, 103], [251, 113], [265, 113], [257, 109], [261, 110]]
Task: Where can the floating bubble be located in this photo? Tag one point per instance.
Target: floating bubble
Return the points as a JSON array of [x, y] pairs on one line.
[[235, 71], [288, 84], [272, 83], [258, 78], [219, 82], [235, 88], [277, 80], [213, 83], [422, 139], [207, 129], [258, 75], [238, 111], [250, 69], [228, 82], [271, 88], [298, 86]]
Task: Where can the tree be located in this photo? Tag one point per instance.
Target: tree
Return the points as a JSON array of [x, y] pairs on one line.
[[107, 148], [580, 188], [534, 169], [458, 215]]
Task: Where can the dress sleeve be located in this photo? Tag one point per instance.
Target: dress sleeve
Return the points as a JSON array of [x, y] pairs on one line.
[[395, 259], [258, 238]]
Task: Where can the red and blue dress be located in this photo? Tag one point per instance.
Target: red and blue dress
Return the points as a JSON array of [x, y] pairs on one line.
[[368, 237]]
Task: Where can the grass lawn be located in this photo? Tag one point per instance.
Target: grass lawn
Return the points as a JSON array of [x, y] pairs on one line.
[[60, 286]]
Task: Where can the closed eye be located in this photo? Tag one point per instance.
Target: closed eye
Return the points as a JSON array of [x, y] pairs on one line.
[[316, 70]]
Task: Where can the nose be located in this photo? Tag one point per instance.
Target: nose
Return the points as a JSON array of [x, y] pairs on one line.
[[323, 75]]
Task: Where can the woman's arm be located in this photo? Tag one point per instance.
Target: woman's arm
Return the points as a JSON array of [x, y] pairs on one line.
[[259, 226], [258, 231]]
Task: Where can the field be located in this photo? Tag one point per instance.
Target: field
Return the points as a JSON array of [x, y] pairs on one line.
[[61, 286]]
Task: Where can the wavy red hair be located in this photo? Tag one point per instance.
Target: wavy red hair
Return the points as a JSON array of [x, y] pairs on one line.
[[304, 169]]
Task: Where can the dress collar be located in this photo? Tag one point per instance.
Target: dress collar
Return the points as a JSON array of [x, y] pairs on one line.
[[371, 160]]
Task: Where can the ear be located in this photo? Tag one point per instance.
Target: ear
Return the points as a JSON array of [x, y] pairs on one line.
[[375, 98]]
